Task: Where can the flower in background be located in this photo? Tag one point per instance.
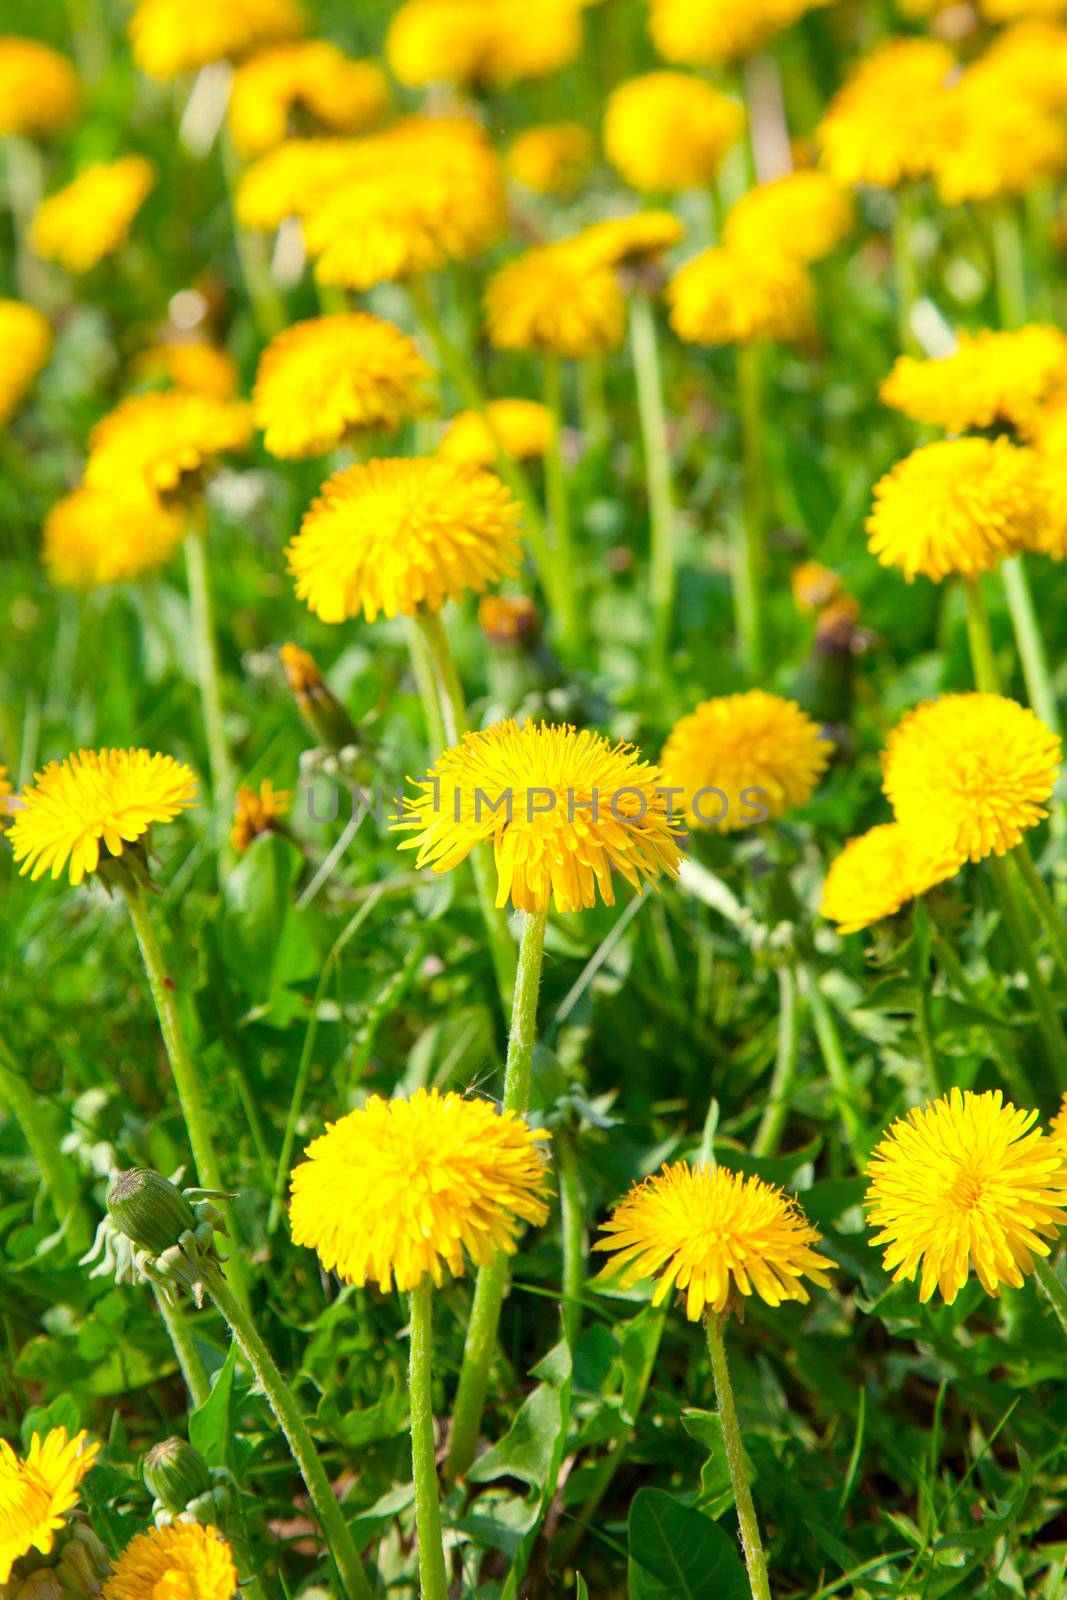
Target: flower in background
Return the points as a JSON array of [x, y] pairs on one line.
[[295, 178], [26, 340], [192, 364], [396, 534], [725, 297], [38, 1491], [182, 1560], [966, 1183], [958, 506], [563, 810], [804, 215], [991, 380], [174, 36], [481, 42], [1058, 1125], [1030, 60], [892, 117], [879, 872], [159, 440], [551, 300], [108, 796], [307, 79], [7, 790], [552, 159], [508, 620], [91, 217], [520, 428], [999, 143], [757, 751], [814, 586], [39, 90], [711, 1233], [622, 241], [666, 131], [406, 1189], [975, 770], [115, 535], [323, 381], [257, 812], [692, 33]]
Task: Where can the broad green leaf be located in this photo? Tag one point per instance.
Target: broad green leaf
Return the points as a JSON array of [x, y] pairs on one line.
[[209, 1424], [679, 1553]]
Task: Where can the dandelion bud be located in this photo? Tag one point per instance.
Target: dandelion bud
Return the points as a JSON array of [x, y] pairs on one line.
[[148, 1209], [76, 1570], [175, 1474], [325, 716], [508, 621]]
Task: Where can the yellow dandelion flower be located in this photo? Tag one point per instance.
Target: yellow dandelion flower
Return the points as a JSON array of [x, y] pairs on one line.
[[562, 809], [814, 586], [256, 812], [392, 535], [174, 36], [710, 1233], [977, 769], [967, 1183], [179, 1562], [1058, 1125], [1050, 442], [552, 159], [999, 143], [406, 1189], [26, 340], [991, 380], [667, 131], [91, 217], [109, 795], [804, 215], [192, 364], [1011, 10], [156, 440], [725, 297], [39, 90], [37, 1492], [1030, 59], [740, 755], [958, 506], [692, 33], [620, 241], [891, 118], [491, 42], [508, 620], [430, 191], [113, 535], [306, 80], [521, 428], [879, 872], [7, 790], [294, 179], [550, 299], [325, 380]]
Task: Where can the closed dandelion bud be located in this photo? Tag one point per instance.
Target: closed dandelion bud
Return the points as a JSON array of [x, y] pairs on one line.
[[325, 716], [148, 1209], [83, 1563], [175, 1474]]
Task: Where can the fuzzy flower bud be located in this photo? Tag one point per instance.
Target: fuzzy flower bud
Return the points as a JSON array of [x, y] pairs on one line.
[[323, 713], [174, 1473], [150, 1210]]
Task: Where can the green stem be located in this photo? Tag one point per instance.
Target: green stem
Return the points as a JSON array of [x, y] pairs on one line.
[[573, 1233], [833, 1056], [1030, 642], [1041, 898], [450, 696], [433, 1576], [593, 403], [186, 1074], [749, 555], [775, 1115], [354, 1582], [268, 306], [207, 670], [192, 1368], [426, 683], [664, 558], [59, 1174], [905, 276], [980, 639], [492, 1280], [562, 556], [1053, 1289], [747, 1522], [1047, 1016], [1009, 263]]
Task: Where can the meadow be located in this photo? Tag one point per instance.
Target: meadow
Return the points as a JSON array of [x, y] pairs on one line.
[[532, 1058]]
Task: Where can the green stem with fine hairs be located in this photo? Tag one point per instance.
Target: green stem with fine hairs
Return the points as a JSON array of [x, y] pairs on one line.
[[1030, 642], [749, 557], [1052, 1288], [562, 553], [980, 639], [664, 556], [747, 1521], [354, 1583], [1047, 1015], [433, 1574], [573, 1231], [776, 1113], [188, 1356], [207, 669], [492, 1280]]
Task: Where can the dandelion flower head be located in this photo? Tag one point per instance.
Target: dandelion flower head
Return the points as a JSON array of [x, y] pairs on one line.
[[621, 241], [999, 142], [257, 811], [193, 364], [694, 33], [666, 131], [893, 115], [26, 340], [306, 79], [39, 91], [295, 178], [38, 1491], [1030, 60], [91, 217], [879, 872], [804, 215], [991, 380], [724, 296], [174, 36], [522, 429], [551, 159], [178, 1562], [481, 42], [550, 299], [157, 440], [114, 535]]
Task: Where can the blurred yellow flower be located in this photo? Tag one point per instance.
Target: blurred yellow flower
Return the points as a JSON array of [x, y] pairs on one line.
[[39, 90], [1030, 60], [619, 241], [159, 440], [1058, 1125], [666, 131], [295, 178], [393, 535], [974, 771], [307, 79], [711, 1233], [552, 159], [1012, 10], [550, 299], [192, 364], [804, 215], [958, 506], [406, 1189], [91, 217], [563, 810], [1000, 143], [814, 586], [991, 380], [490, 42], [325, 380], [98, 536], [38, 1491], [965, 1183], [694, 33], [879, 872], [508, 620], [178, 1562], [26, 340], [521, 428], [892, 117], [740, 755], [174, 36], [725, 296], [107, 796], [257, 811]]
